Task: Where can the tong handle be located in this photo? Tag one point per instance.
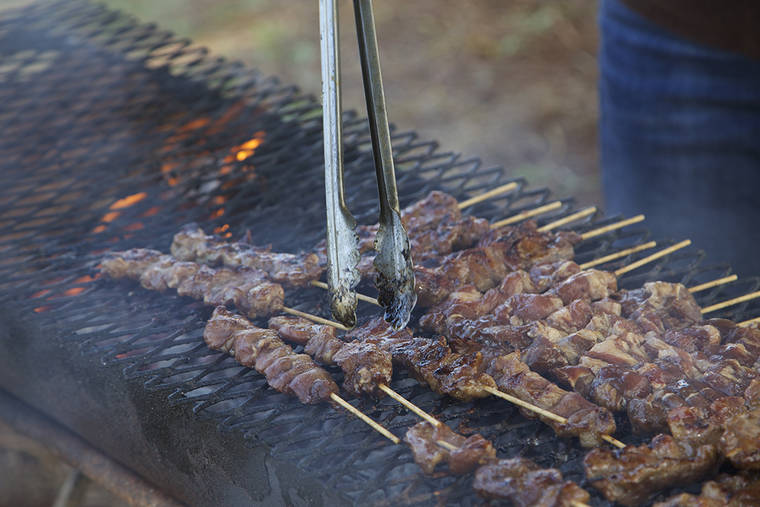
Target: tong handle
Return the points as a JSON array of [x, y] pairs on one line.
[[393, 262], [342, 242], [376, 110]]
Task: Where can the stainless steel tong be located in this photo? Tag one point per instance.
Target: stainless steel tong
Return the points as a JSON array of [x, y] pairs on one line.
[[393, 262]]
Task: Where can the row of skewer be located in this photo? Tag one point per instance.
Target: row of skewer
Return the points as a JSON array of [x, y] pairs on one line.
[[511, 220]]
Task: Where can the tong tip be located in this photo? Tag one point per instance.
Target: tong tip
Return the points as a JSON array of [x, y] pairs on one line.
[[343, 306], [395, 272]]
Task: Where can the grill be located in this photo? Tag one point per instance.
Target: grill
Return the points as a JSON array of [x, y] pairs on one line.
[[114, 134]]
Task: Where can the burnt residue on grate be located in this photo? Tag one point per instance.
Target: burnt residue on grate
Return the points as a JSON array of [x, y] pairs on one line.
[[114, 134]]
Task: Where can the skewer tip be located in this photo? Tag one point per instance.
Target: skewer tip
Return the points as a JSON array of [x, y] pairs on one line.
[[314, 318], [365, 418], [409, 405], [614, 441]]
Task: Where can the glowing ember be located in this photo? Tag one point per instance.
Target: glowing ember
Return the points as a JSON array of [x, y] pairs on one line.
[[223, 231], [128, 201], [248, 148], [74, 291], [40, 293], [195, 124], [151, 211], [134, 227], [87, 278], [217, 214], [41, 309], [110, 216]]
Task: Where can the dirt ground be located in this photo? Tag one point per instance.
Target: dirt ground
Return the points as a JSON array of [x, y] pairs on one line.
[[511, 82]]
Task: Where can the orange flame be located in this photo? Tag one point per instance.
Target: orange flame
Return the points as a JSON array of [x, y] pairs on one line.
[[128, 201]]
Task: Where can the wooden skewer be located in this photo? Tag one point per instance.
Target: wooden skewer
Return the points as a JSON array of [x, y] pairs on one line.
[[314, 318], [503, 189], [731, 302], [545, 413], [749, 322], [654, 256], [364, 417], [525, 405], [446, 445], [611, 227], [362, 297], [618, 255], [523, 215], [408, 404], [569, 218], [714, 283]]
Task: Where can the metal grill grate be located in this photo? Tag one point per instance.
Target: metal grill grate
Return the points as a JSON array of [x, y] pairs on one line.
[[114, 134]]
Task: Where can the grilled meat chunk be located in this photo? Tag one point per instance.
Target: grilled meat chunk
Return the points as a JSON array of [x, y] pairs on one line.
[[469, 453], [366, 363], [446, 372], [523, 483], [248, 289], [192, 244], [741, 490], [319, 341], [659, 306], [740, 441], [262, 349], [497, 254], [632, 475], [590, 285], [551, 274], [585, 420], [435, 227]]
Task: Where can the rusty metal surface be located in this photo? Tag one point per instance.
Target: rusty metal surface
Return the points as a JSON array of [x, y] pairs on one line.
[[114, 135], [114, 477]]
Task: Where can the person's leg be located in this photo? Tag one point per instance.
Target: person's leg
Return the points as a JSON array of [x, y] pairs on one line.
[[680, 137]]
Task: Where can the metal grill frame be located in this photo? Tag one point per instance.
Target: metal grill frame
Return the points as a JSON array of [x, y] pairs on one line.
[[99, 106]]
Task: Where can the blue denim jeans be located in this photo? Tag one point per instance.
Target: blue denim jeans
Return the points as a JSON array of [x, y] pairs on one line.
[[680, 137]]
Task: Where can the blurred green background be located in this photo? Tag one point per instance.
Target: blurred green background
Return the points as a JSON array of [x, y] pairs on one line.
[[513, 82]]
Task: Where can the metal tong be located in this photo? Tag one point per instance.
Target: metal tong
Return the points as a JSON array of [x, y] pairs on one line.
[[393, 262]]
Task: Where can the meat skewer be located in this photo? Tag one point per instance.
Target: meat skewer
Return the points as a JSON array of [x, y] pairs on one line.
[[613, 256], [696, 448], [502, 252], [285, 371], [218, 287], [194, 245], [632, 475], [248, 288], [517, 480], [462, 376], [736, 490], [430, 232]]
